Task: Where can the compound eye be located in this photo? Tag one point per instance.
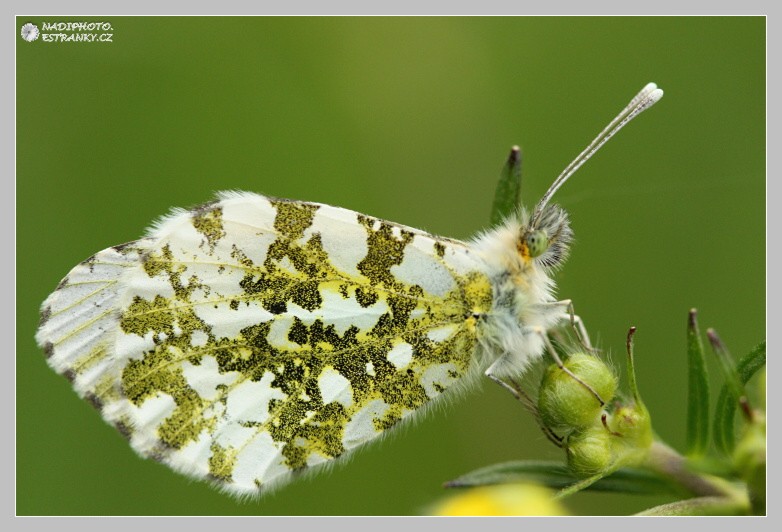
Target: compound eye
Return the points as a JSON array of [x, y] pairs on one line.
[[537, 243]]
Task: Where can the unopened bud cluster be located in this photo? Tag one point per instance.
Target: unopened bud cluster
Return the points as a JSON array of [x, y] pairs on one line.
[[599, 432]]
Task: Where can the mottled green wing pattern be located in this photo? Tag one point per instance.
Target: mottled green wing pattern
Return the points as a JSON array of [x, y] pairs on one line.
[[253, 338]]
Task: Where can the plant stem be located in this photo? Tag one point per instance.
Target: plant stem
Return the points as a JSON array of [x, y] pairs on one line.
[[668, 462]]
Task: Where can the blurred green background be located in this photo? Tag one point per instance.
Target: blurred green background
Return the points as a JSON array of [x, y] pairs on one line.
[[409, 120]]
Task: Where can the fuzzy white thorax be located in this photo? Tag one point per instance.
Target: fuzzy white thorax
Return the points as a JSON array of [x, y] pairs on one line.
[[523, 295]]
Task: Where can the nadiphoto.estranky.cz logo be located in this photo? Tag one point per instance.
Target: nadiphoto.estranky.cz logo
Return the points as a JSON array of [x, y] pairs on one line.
[[30, 32], [68, 32]]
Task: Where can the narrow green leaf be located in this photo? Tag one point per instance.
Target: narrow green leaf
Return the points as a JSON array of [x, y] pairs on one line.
[[724, 414], [556, 475], [507, 197], [700, 506], [728, 367], [698, 391], [752, 362], [553, 474], [585, 483]]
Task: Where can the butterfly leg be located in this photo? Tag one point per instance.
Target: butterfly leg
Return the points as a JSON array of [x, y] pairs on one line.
[[553, 353], [529, 404], [568, 313]]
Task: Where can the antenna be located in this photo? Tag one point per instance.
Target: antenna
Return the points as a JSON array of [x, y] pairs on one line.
[[648, 96]]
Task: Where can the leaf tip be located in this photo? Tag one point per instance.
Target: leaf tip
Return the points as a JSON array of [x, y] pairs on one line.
[[713, 337], [692, 322]]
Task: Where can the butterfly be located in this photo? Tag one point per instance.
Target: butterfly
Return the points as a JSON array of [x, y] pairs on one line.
[[249, 339]]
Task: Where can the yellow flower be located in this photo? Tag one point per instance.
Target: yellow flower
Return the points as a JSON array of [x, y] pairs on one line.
[[505, 499]]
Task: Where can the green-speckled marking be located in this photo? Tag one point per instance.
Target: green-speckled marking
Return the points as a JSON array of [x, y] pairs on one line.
[[301, 422], [209, 222], [439, 248], [221, 463]]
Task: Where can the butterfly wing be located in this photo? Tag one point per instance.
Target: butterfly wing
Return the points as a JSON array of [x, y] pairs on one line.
[[253, 338]]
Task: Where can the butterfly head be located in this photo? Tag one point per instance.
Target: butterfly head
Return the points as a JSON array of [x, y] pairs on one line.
[[545, 238], [546, 235]]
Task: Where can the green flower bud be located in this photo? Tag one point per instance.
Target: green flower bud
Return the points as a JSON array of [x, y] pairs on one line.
[[633, 424], [565, 402], [589, 451]]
